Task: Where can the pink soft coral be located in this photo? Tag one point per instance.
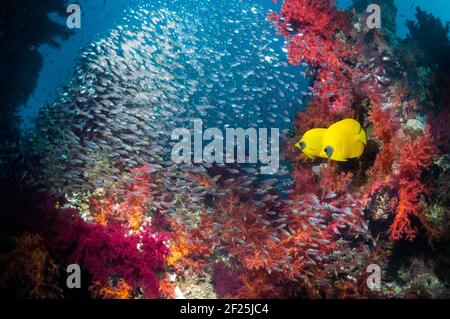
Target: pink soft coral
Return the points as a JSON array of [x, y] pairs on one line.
[[106, 251]]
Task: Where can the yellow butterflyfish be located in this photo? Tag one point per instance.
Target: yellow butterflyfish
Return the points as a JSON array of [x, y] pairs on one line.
[[344, 140], [311, 143]]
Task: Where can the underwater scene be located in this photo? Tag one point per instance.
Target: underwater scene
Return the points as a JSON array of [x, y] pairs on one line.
[[238, 149]]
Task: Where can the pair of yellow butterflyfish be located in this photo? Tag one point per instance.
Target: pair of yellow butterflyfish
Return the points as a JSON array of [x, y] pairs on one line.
[[339, 142]]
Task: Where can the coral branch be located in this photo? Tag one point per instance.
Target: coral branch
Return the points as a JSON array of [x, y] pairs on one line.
[[416, 157]]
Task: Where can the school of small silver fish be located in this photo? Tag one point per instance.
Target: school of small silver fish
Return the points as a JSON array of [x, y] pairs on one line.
[[154, 72]]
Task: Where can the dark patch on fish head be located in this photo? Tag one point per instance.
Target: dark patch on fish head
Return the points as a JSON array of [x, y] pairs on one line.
[[302, 145], [329, 150]]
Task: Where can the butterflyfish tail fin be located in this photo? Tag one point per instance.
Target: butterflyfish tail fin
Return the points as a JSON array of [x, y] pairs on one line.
[[362, 137]]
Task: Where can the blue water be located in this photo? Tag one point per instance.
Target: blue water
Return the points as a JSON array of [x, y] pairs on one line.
[[58, 64], [99, 17], [407, 10]]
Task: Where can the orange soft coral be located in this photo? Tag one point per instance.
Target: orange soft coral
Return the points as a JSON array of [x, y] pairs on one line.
[[130, 211], [137, 198], [188, 248], [240, 227], [258, 284], [120, 290], [101, 209], [166, 288]]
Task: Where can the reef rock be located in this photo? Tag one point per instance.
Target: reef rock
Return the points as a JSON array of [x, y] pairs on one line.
[[415, 127]]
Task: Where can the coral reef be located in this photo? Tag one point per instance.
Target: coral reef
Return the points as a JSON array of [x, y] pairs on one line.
[[388, 18], [107, 252], [396, 189], [38, 275], [434, 51], [390, 207], [318, 43], [119, 290], [417, 157], [131, 210]]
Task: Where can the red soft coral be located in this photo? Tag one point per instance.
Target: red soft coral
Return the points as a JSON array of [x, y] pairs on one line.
[[409, 205], [240, 226], [314, 40], [320, 16], [315, 115], [384, 129], [305, 180], [333, 85], [416, 157], [331, 180], [383, 123]]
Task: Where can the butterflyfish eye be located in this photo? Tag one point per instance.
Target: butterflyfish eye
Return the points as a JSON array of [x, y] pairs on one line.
[[329, 151], [302, 145]]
